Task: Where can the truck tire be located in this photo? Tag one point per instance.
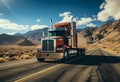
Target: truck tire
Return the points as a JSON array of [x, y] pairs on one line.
[[40, 59]]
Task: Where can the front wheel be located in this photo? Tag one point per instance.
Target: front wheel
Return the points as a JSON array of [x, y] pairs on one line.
[[40, 59]]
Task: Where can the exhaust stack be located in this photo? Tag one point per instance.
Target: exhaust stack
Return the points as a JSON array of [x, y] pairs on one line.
[[51, 25], [73, 34], [72, 26]]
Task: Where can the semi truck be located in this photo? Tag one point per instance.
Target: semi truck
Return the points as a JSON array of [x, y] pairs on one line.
[[61, 43]]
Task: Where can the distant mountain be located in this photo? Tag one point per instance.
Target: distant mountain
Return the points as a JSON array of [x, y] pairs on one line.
[[25, 42], [8, 39], [14, 40], [35, 35], [18, 34]]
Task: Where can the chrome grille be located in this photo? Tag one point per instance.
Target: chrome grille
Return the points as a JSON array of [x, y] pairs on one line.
[[47, 45], [44, 45]]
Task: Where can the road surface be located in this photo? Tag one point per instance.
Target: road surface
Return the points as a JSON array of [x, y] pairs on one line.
[[96, 66]]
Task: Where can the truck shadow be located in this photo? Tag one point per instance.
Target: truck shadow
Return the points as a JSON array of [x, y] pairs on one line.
[[93, 60]]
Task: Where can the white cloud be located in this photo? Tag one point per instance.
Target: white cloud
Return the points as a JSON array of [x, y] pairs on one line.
[[110, 8], [38, 20], [6, 24], [79, 21], [66, 16], [102, 5], [91, 25], [1, 14], [11, 33], [84, 21], [35, 27]]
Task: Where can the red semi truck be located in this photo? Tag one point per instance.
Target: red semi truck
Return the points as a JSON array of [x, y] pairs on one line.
[[61, 43]]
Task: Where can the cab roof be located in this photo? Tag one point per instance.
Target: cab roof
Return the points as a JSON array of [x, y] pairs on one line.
[[57, 29]]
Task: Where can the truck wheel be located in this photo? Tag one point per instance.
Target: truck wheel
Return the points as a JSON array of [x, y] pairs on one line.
[[40, 59], [66, 55]]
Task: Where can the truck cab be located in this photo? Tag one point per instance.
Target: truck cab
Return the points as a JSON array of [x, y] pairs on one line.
[[61, 42]]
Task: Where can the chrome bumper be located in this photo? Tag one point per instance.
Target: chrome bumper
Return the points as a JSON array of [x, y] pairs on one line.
[[50, 55]]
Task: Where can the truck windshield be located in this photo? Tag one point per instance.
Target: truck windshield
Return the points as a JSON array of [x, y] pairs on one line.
[[57, 33]]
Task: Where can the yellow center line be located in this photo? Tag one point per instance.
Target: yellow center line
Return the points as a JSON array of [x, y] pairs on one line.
[[37, 73]]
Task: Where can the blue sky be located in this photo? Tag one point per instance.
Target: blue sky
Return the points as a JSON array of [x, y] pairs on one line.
[[25, 15]]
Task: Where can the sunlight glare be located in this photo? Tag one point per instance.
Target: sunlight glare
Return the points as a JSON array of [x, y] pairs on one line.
[[7, 5]]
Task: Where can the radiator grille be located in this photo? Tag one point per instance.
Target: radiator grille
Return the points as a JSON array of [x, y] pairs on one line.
[[47, 45]]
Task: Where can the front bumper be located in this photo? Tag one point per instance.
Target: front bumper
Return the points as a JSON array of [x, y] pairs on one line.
[[49, 55]]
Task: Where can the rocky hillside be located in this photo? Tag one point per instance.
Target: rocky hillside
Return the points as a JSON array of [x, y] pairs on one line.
[[106, 36], [14, 40], [111, 39], [107, 31]]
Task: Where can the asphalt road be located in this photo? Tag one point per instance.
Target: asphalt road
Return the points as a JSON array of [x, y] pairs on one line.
[[96, 66]]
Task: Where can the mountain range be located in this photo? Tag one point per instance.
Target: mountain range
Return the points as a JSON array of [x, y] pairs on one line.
[[14, 40], [106, 34]]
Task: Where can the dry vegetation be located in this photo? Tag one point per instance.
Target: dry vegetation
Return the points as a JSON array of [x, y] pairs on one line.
[[113, 48], [13, 52]]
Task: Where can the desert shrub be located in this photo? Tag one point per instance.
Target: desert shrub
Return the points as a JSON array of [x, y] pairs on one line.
[[30, 54], [104, 47], [16, 58], [11, 53], [2, 53], [2, 60], [25, 56], [26, 51], [34, 52], [21, 52]]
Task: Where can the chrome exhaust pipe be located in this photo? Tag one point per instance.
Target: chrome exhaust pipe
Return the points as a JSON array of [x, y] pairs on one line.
[[72, 32], [72, 26], [51, 25]]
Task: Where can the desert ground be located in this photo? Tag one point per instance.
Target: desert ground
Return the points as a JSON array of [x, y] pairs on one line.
[[14, 52]]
